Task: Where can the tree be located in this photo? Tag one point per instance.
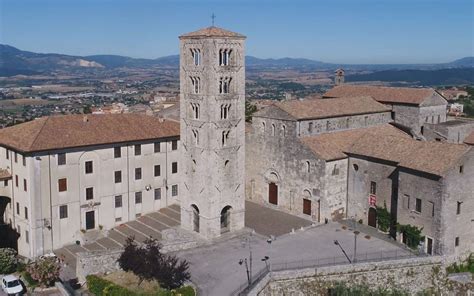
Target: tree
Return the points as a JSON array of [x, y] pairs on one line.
[[412, 234], [149, 263], [250, 109], [8, 260], [383, 218], [45, 270]]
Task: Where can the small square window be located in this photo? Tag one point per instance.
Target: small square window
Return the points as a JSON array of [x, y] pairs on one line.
[[174, 145], [461, 169], [157, 193], [373, 187], [89, 193], [117, 152], [118, 219], [61, 158], [89, 167], [62, 185], [174, 167], [118, 201], [138, 197], [418, 205], [118, 176], [138, 173], [456, 241], [138, 149], [157, 147], [157, 170], [174, 190], [63, 212]]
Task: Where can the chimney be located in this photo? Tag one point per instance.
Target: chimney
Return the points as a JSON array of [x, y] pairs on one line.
[[85, 119], [339, 78]]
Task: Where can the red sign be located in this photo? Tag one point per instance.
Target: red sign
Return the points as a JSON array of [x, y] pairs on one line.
[[372, 200]]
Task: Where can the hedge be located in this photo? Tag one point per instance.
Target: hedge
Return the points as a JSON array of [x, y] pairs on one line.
[[101, 287]]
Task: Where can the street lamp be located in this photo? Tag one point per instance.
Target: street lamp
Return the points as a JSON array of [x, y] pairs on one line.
[[265, 259], [336, 242], [241, 261], [354, 259], [269, 241]]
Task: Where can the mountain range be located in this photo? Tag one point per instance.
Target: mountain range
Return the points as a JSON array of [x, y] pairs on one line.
[[14, 61]]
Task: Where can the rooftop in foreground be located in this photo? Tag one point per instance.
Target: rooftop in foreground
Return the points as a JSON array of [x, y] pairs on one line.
[[69, 131]]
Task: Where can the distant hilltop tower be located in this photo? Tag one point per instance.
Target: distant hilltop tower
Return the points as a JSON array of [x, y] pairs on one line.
[[212, 100], [339, 78]]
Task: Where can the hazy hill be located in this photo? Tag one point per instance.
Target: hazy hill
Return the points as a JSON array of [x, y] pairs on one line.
[[14, 61]]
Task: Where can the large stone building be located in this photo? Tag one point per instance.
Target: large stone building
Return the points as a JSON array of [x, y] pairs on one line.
[[65, 175], [212, 86], [411, 107]]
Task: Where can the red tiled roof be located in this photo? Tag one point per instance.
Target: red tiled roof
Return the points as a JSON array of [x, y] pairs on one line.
[[469, 139], [4, 175], [331, 146], [431, 157], [402, 95], [325, 108], [212, 32], [67, 131]]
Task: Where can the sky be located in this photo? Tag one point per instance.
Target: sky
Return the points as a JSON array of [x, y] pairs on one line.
[[336, 31]]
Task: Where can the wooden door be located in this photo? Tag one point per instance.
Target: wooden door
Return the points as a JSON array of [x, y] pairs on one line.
[[306, 206], [90, 220], [429, 246], [273, 193], [372, 217]]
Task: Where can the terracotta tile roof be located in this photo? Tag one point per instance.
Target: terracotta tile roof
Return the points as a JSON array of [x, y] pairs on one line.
[[212, 32], [431, 157], [331, 146], [402, 95], [4, 175], [67, 131], [325, 108], [469, 139]]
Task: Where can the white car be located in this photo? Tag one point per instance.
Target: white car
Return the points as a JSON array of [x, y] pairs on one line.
[[12, 285]]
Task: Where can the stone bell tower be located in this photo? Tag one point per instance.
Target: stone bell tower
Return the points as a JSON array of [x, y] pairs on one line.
[[212, 104]]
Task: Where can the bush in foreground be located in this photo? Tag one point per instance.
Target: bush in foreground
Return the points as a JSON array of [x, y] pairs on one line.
[[45, 271], [8, 260]]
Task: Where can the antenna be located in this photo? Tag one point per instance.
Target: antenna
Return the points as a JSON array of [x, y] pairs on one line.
[[213, 17]]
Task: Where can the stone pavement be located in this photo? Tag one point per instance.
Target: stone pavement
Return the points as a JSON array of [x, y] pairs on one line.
[[215, 269], [152, 224], [267, 221]]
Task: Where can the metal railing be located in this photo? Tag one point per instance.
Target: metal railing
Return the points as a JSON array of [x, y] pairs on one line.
[[244, 288]]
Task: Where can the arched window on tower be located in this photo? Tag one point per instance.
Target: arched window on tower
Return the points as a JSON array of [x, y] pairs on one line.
[[224, 57], [196, 81], [224, 85], [195, 110], [225, 138], [273, 129], [283, 130], [225, 111], [263, 127], [196, 136], [196, 55], [308, 167]]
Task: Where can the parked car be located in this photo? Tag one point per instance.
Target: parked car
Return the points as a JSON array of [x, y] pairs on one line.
[[12, 285]]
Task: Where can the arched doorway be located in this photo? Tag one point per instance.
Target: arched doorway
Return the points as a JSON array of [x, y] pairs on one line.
[[225, 219], [273, 193], [372, 219], [195, 218]]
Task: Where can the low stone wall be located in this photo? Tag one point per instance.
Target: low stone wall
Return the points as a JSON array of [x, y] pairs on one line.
[[413, 275], [96, 262]]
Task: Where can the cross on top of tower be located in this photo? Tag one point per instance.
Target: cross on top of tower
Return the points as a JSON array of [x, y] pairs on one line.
[[213, 17]]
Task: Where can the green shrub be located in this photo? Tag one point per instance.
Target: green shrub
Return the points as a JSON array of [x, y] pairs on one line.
[[383, 218], [97, 285], [412, 234], [186, 291], [8, 260], [28, 279], [466, 266]]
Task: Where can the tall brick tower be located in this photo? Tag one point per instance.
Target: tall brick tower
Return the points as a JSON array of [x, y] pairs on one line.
[[212, 103]]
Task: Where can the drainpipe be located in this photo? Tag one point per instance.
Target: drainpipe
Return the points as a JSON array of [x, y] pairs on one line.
[[128, 182], [50, 202]]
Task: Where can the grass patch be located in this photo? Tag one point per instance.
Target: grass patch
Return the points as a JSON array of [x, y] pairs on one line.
[[122, 283], [466, 266]]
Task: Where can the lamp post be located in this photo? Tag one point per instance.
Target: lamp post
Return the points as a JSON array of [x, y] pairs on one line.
[[336, 242], [269, 241], [241, 261], [248, 242], [265, 259], [354, 259]]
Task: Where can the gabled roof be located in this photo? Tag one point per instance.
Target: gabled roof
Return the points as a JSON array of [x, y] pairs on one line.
[[212, 32], [469, 139], [68, 131], [431, 157], [384, 94], [5, 175], [331, 146], [327, 108]]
